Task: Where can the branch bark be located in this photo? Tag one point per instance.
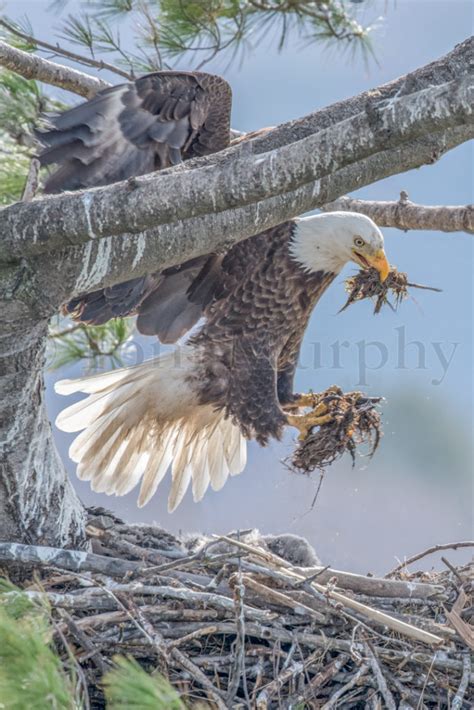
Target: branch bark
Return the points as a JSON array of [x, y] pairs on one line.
[[404, 214], [108, 261], [30, 66], [143, 203]]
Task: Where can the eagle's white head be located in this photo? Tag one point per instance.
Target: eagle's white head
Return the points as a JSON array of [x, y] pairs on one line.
[[326, 242]]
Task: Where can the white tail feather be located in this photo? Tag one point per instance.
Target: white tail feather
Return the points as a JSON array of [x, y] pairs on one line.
[[139, 421]]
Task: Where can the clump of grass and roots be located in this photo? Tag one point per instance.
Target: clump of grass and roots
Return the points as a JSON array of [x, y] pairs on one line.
[[367, 284], [355, 420]]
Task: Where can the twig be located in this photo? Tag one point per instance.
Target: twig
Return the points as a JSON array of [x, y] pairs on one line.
[[82, 640], [32, 179], [466, 673], [77, 666], [200, 677], [452, 569], [323, 677], [296, 668], [425, 683], [238, 669], [207, 599], [272, 596], [73, 560], [335, 697], [429, 551], [379, 677], [465, 631], [193, 635]]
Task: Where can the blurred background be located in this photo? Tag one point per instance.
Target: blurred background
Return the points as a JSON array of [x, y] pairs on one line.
[[418, 489]]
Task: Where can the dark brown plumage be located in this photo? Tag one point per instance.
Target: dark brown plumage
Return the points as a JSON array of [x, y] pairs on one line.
[[136, 128], [253, 330]]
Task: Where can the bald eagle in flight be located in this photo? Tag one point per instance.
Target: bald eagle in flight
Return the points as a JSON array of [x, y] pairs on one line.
[[192, 409]]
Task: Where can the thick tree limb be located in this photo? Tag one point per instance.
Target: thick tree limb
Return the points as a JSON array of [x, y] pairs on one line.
[[31, 66], [406, 215], [456, 63], [111, 260], [149, 201], [74, 560], [453, 65]]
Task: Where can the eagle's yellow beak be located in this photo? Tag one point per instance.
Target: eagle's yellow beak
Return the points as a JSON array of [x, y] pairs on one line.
[[377, 261]]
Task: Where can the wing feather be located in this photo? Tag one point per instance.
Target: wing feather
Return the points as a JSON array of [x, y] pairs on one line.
[[129, 130], [135, 128]]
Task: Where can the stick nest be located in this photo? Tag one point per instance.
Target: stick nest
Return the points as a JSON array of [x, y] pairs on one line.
[[367, 284], [249, 621], [355, 421]]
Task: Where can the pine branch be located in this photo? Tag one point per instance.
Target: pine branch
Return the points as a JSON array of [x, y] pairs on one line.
[[99, 346], [30, 671], [58, 50], [31, 66], [129, 686]]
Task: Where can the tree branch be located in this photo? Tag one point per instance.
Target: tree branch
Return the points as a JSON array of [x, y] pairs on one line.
[[57, 49], [406, 215], [141, 204], [31, 66], [453, 65], [111, 260]]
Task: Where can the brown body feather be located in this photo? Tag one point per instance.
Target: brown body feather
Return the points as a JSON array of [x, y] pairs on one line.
[[254, 328]]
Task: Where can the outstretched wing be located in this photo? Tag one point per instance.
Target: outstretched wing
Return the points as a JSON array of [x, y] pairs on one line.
[[167, 304], [136, 128]]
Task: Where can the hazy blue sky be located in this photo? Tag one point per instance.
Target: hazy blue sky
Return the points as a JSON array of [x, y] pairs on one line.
[[418, 489]]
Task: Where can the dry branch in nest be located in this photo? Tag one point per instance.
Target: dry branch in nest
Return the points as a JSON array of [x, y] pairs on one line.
[[232, 624], [367, 284], [355, 420]]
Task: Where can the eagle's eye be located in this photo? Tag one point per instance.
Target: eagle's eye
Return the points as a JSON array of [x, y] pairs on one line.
[[359, 242]]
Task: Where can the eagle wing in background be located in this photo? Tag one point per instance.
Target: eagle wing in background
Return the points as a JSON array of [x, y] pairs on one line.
[[167, 304], [126, 131], [136, 128]]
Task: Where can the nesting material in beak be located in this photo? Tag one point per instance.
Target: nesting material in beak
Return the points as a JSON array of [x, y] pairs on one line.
[[379, 261]]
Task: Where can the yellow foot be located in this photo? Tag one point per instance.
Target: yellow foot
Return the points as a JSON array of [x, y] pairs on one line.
[[309, 399], [305, 422]]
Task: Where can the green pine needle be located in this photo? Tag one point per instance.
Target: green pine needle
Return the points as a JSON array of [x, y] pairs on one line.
[[14, 164], [100, 345], [31, 676], [129, 687]]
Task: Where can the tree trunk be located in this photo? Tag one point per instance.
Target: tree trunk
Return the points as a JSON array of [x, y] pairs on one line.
[[37, 501]]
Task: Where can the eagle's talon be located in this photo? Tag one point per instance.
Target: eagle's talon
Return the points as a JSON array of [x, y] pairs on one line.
[[307, 399], [305, 422]]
